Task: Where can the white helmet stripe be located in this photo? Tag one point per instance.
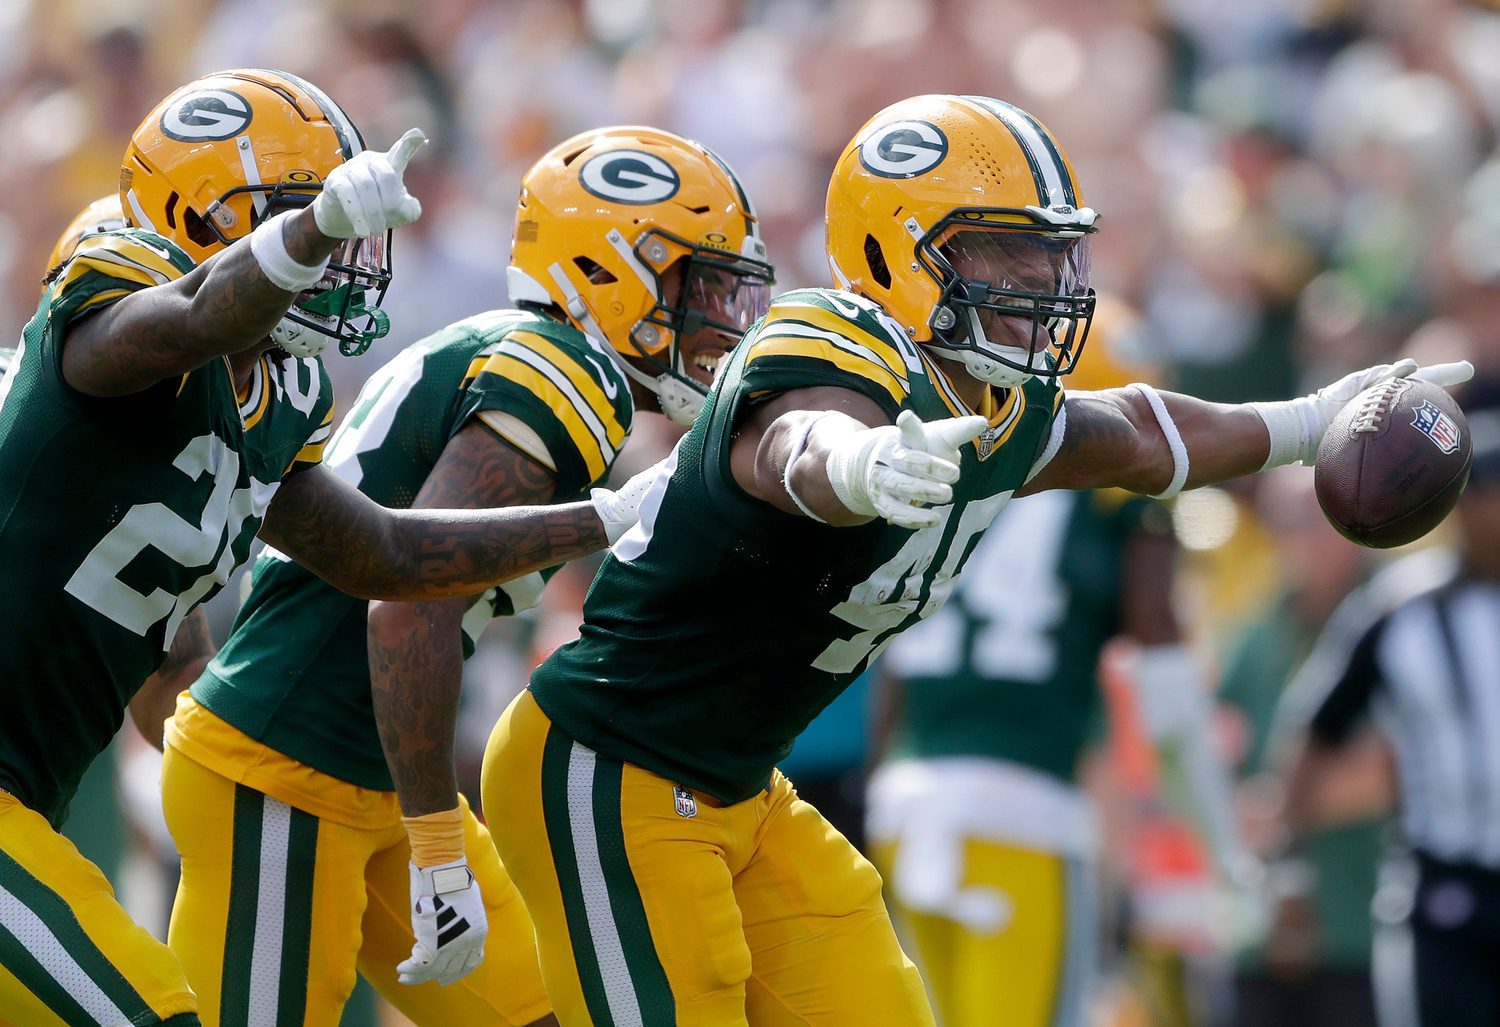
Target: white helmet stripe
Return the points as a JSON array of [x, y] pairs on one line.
[[246, 150], [141, 220], [347, 133], [1054, 184]]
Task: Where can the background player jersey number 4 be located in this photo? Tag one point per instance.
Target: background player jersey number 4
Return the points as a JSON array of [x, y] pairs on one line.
[[875, 605]]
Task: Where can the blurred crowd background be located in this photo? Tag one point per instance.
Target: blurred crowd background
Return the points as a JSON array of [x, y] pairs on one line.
[[1289, 189]]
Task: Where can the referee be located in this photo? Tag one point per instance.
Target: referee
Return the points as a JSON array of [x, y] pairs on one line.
[[1418, 653]]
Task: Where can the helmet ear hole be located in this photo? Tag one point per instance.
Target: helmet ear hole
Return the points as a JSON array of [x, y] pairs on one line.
[[875, 257], [596, 274], [197, 229]]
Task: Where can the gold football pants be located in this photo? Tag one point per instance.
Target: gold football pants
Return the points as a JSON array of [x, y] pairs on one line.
[[69, 953], [654, 905], [277, 908], [1034, 967]]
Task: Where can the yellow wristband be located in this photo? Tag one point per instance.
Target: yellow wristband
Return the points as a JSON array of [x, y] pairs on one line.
[[436, 838]]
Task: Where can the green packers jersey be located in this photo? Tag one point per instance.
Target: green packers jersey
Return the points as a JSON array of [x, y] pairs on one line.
[[1007, 670], [294, 673], [118, 516], [719, 626]]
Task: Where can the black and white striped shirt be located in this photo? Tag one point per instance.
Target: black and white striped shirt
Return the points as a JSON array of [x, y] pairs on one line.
[[1419, 650]]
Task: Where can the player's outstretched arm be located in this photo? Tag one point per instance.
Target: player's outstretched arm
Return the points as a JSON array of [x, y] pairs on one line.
[[1158, 443], [368, 551], [231, 302], [832, 454]]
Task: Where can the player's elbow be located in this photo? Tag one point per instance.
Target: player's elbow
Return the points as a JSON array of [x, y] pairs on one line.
[[1144, 456]]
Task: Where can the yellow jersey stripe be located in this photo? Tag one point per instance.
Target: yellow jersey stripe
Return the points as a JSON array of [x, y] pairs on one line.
[[562, 407], [585, 383], [828, 321], [101, 298], [821, 349], [121, 258], [942, 386], [259, 382], [1009, 416]]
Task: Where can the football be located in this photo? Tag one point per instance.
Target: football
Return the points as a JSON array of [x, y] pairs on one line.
[[1393, 463]]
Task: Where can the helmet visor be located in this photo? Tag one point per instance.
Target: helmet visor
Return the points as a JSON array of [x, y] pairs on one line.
[[1016, 290]]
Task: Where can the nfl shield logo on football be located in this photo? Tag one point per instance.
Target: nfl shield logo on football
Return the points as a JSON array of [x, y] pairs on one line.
[[683, 802], [1436, 425]]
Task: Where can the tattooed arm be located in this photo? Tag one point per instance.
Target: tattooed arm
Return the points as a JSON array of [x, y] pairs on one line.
[[1113, 440], [192, 648], [415, 654], [224, 306], [361, 548]]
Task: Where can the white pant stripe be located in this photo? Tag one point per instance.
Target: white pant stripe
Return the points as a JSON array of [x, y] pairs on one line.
[[619, 990], [270, 911], [43, 945]]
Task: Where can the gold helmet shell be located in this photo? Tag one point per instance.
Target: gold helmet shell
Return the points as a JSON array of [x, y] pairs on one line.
[[940, 180], [604, 221], [223, 153]]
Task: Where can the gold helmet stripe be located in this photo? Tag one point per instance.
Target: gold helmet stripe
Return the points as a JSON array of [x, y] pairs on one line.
[[1054, 185]]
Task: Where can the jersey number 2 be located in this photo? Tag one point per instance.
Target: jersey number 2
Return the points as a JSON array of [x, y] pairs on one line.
[[97, 584]]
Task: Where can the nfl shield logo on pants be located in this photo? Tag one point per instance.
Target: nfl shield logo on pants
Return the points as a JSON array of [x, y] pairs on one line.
[[683, 802], [1436, 425]]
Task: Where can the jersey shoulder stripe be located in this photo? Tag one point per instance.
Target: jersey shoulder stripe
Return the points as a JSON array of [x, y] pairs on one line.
[[108, 266], [549, 378], [824, 335]]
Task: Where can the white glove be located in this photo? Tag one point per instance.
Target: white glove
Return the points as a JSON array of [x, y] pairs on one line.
[[619, 510], [447, 917], [1297, 426], [896, 471], [364, 196]]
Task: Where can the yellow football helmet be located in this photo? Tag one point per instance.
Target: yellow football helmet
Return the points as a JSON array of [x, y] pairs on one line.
[[103, 215], [961, 216], [642, 239], [225, 152]]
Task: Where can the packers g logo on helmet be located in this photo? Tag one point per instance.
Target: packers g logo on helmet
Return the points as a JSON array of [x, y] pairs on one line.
[[630, 176], [207, 116], [904, 150]]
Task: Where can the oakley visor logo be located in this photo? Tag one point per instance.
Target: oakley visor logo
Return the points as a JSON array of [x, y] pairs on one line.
[[629, 176], [904, 150], [206, 116]]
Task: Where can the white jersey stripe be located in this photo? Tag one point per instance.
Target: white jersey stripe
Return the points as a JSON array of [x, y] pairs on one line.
[[270, 911], [37, 938], [619, 990], [778, 329], [556, 376]]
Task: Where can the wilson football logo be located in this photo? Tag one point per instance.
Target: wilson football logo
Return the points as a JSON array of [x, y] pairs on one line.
[[629, 176], [206, 116], [904, 150]]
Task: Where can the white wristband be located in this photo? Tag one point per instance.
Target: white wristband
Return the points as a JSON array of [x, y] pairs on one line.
[[1174, 441], [799, 444], [270, 253], [1284, 424]]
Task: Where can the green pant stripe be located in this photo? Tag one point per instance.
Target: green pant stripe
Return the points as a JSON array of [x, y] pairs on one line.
[[244, 891], [555, 756], [42, 923], [652, 989], [296, 936], [17, 958]]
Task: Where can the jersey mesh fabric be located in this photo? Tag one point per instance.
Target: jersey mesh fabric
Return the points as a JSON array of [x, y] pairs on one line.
[[118, 516], [720, 628], [294, 673]]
